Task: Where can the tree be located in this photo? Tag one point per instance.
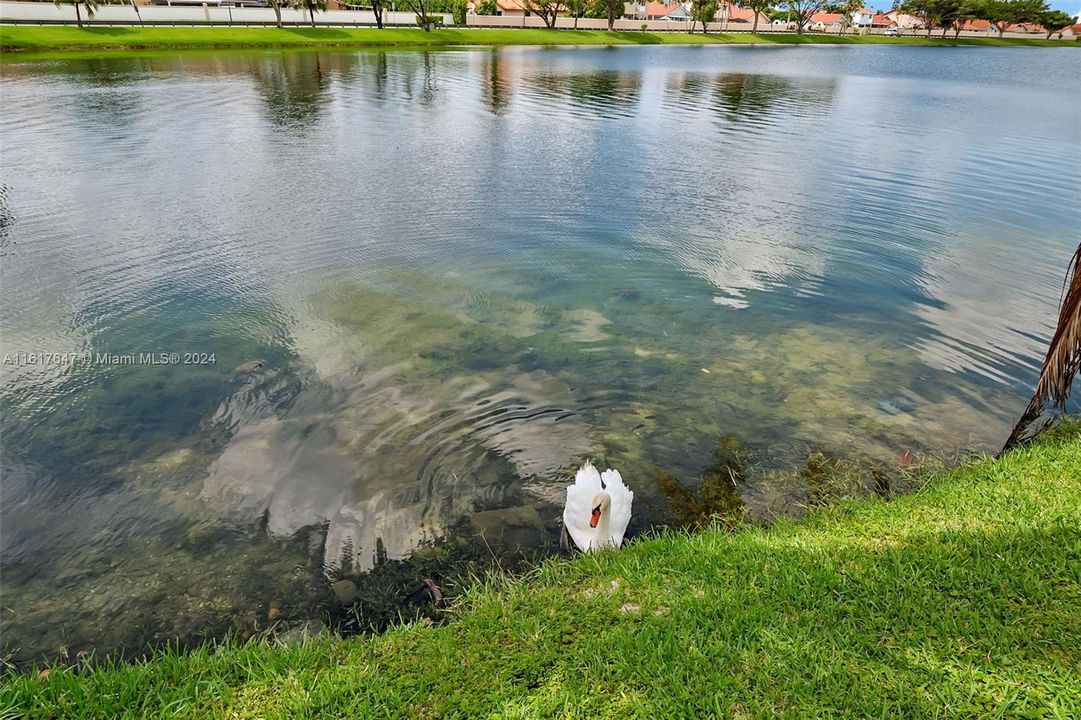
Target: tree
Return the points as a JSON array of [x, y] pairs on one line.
[[848, 9], [277, 5], [458, 10], [597, 10], [966, 11], [311, 6], [1063, 359], [703, 11], [933, 13], [758, 6], [577, 9], [1055, 20], [378, 8], [802, 10], [613, 9], [488, 7], [424, 11], [1003, 13], [547, 10], [91, 8]]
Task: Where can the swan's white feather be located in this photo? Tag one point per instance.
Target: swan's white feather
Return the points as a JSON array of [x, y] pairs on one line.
[[620, 512], [587, 483]]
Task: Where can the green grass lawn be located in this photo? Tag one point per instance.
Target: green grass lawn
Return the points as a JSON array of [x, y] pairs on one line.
[[29, 38], [962, 599]]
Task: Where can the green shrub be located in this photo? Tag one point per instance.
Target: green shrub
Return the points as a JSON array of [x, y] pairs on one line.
[[458, 10]]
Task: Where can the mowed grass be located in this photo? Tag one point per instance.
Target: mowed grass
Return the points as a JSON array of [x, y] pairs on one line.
[[960, 600], [39, 39]]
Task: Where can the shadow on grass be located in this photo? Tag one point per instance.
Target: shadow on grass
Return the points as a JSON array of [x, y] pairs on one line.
[[318, 34]]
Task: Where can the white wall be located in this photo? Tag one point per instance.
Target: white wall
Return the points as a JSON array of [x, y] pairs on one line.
[[602, 24], [46, 11], [30, 11]]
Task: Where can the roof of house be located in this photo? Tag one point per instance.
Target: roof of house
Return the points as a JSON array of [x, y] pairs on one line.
[[976, 25], [740, 14], [826, 18], [883, 20], [656, 9], [507, 5]]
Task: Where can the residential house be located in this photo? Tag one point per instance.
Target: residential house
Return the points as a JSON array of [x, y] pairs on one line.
[[863, 18], [904, 21], [729, 13], [677, 13], [1071, 33], [986, 27], [656, 11], [827, 22], [978, 26], [1028, 27], [511, 8]]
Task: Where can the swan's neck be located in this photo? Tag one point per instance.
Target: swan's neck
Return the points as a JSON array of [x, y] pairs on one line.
[[601, 533]]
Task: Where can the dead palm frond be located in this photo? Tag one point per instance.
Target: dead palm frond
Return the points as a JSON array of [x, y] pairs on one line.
[[1063, 359]]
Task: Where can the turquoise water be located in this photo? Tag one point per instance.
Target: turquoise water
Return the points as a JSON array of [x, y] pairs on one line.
[[406, 287]]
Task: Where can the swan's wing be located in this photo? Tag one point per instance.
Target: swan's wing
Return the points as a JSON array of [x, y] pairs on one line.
[[622, 497], [588, 477], [587, 483]]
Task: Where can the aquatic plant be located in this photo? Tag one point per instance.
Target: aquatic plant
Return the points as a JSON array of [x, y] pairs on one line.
[[716, 497], [817, 472]]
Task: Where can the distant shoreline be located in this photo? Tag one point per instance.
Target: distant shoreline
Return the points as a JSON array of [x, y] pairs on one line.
[[22, 40]]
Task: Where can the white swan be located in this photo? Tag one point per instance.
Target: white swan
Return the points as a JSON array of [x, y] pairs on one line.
[[598, 509]]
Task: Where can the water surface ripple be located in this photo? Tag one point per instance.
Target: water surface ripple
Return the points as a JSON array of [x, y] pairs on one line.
[[433, 282]]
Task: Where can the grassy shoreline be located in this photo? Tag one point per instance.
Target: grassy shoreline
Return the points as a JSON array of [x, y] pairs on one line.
[[32, 39], [962, 599]]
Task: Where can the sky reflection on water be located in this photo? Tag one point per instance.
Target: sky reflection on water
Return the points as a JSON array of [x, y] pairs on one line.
[[433, 282]]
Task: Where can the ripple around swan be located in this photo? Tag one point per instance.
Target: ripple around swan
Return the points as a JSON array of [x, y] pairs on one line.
[[433, 282]]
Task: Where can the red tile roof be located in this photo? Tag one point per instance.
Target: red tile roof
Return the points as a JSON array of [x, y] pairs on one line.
[[826, 18], [655, 9], [740, 14]]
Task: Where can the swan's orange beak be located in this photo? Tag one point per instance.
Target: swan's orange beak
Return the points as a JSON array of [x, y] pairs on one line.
[[595, 517]]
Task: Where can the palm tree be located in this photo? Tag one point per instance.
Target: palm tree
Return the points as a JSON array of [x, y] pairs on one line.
[[91, 8], [311, 6], [1063, 359]]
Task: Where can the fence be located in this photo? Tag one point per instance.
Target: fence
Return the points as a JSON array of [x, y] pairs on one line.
[[46, 13]]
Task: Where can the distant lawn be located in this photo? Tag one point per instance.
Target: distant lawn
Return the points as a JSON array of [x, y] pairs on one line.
[[39, 39], [961, 600]]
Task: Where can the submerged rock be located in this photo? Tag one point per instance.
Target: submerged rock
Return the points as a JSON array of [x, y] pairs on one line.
[[895, 405], [250, 366], [345, 591], [302, 633], [513, 527]]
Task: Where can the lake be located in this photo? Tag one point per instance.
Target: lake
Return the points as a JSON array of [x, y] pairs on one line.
[[270, 314]]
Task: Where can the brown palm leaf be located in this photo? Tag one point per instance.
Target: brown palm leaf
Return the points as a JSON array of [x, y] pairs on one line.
[[1063, 359]]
